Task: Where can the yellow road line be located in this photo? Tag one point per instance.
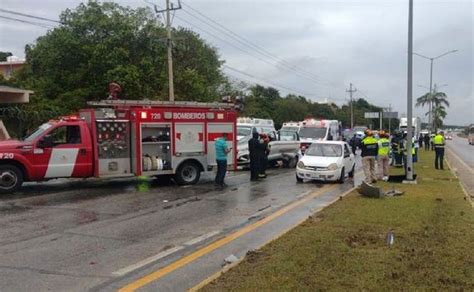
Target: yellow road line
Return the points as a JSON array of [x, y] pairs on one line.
[[217, 274], [217, 244]]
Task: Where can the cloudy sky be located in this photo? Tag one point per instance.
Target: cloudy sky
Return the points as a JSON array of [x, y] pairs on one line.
[[315, 47]]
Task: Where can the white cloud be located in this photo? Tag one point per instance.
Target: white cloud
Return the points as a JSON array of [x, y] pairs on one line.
[[363, 42]]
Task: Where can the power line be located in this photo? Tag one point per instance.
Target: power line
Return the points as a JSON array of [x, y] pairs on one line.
[[258, 49], [217, 26], [266, 81], [26, 21], [28, 15], [240, 43], [281, 64]]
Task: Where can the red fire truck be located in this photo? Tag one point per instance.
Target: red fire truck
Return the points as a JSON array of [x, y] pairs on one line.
[[116, 138]]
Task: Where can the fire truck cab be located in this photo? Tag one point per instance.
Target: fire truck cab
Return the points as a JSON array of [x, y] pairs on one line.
[[120, 139]]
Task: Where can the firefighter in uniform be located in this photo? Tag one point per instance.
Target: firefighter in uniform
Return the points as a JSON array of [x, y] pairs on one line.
[[369, 147], [256, 151], [383, 153], [438, 142]]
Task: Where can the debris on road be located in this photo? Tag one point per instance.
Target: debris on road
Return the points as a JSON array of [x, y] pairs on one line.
[[230, 259], [371, 191]]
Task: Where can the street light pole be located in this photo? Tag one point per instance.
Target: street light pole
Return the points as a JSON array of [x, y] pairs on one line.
[[430, 122], [430, 105], [409, 160]]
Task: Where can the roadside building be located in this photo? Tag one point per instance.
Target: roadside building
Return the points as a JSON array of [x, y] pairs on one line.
[[11, 95], [11, 65]]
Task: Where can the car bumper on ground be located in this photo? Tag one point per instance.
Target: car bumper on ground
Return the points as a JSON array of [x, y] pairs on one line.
[[325, 175]]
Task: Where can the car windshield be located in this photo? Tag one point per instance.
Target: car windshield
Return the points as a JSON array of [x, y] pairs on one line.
[[43, 128], [324, 150], [244, 131], [289, 128], [313, 132], [287, 135]]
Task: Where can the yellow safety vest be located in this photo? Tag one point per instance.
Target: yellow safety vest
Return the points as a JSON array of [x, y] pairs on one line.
[[438, 141], [384, 146], [369, 140]]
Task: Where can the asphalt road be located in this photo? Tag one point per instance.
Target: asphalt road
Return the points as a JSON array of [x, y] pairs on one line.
[[461, 158], [102, 235]]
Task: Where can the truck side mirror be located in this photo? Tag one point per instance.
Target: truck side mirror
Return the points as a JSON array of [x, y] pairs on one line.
[[46, 142]]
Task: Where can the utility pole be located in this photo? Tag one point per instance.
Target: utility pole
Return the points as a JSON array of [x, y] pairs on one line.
[[169, 44], [409, 160], [390, 119], [352, 110]]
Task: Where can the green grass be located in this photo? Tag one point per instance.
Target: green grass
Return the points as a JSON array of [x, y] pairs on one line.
[[343, 247]]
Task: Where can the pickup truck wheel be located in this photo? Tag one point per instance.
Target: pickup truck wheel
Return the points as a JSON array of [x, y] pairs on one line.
[[298, 179], [292, 162], [341, 178], [11, 178], [188, 174]]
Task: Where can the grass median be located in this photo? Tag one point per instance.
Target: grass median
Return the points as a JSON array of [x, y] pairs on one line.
[[344, 246]]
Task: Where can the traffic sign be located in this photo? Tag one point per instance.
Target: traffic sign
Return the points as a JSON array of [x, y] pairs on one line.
[[371, 115], [390, 115]]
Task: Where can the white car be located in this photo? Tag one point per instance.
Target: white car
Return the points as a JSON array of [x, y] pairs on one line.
[[327, 161]]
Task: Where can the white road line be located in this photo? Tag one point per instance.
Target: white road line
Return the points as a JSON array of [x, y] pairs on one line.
[[460, 160], [147, 261], [201, 238]]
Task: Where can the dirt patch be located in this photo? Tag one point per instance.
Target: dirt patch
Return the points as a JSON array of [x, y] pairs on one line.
[[364, 239]]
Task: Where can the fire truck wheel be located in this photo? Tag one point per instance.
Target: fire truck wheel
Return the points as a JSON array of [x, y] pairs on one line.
[[188, 173], [11, 178]]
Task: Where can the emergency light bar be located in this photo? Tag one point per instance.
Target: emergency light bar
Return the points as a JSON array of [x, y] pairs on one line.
[[143, 103]]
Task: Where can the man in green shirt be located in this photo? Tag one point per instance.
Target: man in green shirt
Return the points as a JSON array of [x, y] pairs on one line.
[[382, 157]]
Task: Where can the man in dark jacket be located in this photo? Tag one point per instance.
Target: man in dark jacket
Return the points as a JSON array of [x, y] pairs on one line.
[[426, 139], [255, 153], [370, 149]]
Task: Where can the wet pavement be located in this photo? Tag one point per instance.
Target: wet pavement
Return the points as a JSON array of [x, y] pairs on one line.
[[82, 235], [461, 158]]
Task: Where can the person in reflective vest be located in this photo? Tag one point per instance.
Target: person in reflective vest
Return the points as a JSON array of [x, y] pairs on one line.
[[370, 148], [397, 149], [438, 142], [383, 156]]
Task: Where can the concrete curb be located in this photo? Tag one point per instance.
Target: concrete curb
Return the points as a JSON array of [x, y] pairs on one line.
[[461, 184], [234, 264]]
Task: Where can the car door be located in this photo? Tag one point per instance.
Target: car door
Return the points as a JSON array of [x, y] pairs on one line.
[[68, 156], [348, 158]]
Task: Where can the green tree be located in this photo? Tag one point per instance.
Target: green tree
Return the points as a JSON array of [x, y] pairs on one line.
[[98, 43], [4, 55], [439, 101]]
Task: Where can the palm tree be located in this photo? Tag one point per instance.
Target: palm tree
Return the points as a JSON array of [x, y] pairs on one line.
[[439, 113], [439, 101]]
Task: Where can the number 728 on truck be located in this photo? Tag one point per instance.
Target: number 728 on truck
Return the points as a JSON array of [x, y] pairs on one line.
[[117, 138]]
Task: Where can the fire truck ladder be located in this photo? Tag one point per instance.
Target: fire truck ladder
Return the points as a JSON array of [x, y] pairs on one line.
[[153, 103]]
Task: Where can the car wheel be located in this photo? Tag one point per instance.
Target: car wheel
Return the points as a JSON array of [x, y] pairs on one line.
[[341, 178], [299, 179], [351, 174], [291, 163], [188, 174], [11, 178]]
